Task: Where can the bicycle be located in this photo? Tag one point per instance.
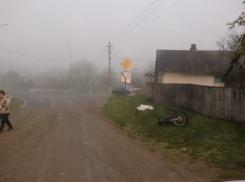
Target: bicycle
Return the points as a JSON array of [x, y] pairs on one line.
[[179, 118]]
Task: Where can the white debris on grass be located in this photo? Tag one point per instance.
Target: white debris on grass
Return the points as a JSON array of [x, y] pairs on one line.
[[144, 107]]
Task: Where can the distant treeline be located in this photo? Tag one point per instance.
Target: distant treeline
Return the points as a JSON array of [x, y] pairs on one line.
[[84, 74]]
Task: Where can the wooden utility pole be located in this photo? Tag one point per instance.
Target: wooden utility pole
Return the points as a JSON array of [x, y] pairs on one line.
[[109, 52], [10, 70], [90, 88], [70, 69]]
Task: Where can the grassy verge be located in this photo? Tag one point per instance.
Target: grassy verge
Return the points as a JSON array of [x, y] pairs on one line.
[[15, 103], [220, 143]]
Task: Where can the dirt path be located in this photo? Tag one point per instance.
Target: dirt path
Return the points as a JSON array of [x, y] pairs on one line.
[[78, 144]]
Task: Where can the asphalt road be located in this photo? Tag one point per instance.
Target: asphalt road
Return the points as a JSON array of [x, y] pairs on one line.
[[38, 100]]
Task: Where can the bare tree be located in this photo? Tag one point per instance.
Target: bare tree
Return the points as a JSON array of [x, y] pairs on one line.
[[150, 67], [83, 72], [222, 43], [229, 41]]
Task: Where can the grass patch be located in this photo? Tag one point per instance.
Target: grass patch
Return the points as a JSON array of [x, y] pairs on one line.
[[15, 103], [217, 141], [231, 175]]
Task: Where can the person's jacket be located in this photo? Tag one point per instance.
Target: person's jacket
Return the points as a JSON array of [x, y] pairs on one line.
[[4, 105]]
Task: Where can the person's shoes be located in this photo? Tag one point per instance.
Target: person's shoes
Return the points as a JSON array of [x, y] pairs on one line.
[[10, 128]]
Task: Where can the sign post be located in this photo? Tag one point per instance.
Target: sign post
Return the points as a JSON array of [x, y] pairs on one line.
[[126, 64]]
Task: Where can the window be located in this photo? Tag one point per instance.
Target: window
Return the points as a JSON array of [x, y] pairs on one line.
[[217, 79]]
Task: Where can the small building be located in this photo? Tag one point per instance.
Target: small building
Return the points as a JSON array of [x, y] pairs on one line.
[[235, 75], [192, 66]]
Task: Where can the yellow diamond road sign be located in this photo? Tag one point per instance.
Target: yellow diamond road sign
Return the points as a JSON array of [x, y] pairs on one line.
[[127, 64]]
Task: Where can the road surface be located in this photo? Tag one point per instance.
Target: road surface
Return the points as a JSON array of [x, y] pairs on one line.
[[67, 138], [36, 100]]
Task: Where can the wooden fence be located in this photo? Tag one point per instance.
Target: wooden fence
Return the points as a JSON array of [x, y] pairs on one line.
[[220, 102]]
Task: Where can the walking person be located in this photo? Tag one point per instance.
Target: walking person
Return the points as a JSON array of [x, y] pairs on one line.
[[4, 111]]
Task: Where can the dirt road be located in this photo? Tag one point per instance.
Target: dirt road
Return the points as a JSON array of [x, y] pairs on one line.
[[78, 144]]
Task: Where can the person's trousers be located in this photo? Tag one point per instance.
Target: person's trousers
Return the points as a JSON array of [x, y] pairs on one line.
[[5, 119]]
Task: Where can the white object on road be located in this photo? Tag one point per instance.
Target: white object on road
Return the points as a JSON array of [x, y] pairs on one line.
[[144, 107]]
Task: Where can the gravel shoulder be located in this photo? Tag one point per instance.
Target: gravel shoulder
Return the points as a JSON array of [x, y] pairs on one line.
[[78, 144]]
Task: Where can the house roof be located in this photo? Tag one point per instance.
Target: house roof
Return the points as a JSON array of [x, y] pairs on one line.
[[193, 61]]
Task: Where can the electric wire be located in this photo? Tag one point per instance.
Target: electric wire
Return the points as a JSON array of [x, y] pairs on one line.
[[150, 22], [153, 11], [146, 17], [135, 19], [124, 58], [32, 56], [134, 61]]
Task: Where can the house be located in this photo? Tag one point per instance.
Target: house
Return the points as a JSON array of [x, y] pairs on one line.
[[235, 75], [192, 66]]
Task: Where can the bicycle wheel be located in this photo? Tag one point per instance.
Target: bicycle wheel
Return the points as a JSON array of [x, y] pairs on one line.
[[180, 118]]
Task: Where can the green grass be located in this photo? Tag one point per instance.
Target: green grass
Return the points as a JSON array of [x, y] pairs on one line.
[[15, 103], [217, 141], [230, 174]]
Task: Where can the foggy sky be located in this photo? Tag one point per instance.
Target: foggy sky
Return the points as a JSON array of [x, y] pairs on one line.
[[44, 28]]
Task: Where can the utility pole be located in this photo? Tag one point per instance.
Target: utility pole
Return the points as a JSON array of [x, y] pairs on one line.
[[10, 84], [10, 67], [90, 89], [109, 52], [10, 70], [70, 69]]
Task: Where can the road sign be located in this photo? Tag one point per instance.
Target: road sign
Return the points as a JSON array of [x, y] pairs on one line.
[[127, 64], [127, 75]]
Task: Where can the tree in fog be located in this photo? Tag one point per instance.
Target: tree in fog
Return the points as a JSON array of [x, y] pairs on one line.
[[149, 70], [150, 67], [83, 74], [103, 80], [230, 40], [16, 80], [137, 79], [237, 41], [53, 78]]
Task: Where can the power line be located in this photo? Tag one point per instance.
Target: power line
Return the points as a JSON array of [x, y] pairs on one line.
[[134, 61], [120, 57], [146, 61], [36, 61], [142, 66], [117, 56], [135, 20], [151, 21], [153, 11], [32, 56], [146, 17]]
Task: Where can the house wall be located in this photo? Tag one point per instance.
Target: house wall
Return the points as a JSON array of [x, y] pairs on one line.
[[186, 78], [220, 102]]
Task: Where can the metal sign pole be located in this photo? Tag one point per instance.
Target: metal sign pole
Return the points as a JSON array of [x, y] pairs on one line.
[[124, 89]]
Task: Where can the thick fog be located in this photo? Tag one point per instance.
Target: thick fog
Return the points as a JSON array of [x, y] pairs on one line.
[[44, 28]]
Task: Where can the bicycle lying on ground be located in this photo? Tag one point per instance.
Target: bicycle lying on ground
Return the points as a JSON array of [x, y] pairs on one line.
[[179, 118]]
